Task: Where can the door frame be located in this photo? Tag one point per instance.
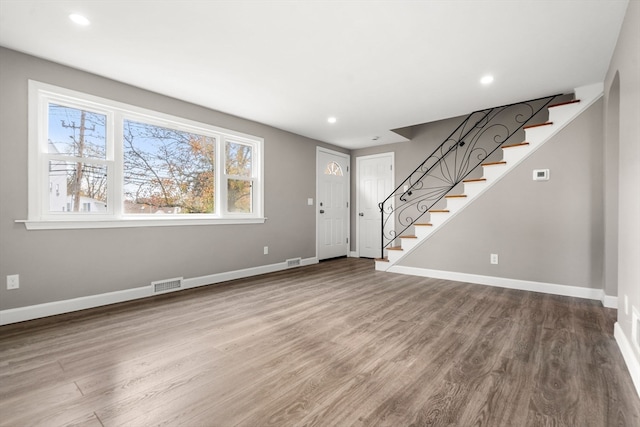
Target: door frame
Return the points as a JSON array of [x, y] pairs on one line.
[[316, 206], [393, 185]]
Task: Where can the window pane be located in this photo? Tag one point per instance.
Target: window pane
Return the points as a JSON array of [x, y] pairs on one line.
[[77, 187], [167, 170], [239, 159], [239, 196], [333, 168], [77, 133]]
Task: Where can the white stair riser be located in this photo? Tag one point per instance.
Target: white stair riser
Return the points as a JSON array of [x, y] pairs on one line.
[[493, 172], [422, 231], [408, 244], [456, 203], [563, 113], [538, 134], [515, 154], [382, 265], [438, 218], [394, 255], [472, 189], [589, 92]]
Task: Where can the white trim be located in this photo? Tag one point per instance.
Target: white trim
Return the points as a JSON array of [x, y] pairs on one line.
[[21, 314], [354, 254], [523, 285], [393, 186], [609, 301], [633, 364], [212, 279], [141, 222], [347, 157], [40, 95]]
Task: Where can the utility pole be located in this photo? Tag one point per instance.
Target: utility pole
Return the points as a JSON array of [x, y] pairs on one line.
[[76, 186]]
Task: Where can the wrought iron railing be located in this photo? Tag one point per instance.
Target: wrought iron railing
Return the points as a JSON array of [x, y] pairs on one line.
[[479, 135]]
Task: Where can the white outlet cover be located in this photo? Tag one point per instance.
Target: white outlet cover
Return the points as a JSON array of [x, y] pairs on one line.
[[13, 281]]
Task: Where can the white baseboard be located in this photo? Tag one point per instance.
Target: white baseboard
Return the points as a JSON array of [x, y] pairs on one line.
[[633, 364], [609, 301], [523, 285], [21, 314], [354, 254]]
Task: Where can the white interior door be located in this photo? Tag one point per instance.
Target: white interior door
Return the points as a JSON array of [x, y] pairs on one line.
[[375, 182], [332, 204]]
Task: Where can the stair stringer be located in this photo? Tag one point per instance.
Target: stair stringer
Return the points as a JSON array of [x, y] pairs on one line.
[[559, 116]]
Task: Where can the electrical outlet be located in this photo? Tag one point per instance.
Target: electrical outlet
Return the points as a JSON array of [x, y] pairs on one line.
[[13, 281], [494, 258], [266, 250]]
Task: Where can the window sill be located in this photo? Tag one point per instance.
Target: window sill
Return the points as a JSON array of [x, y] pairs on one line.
[[128, 223]]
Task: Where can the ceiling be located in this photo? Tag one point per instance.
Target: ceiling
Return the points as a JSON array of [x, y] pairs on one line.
[[374, 65]]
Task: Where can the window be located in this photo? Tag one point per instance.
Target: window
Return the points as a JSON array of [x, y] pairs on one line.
[[99, 163], [333, 168]]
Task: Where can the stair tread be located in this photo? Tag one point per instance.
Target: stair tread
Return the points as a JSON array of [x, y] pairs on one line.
[[424, 224], [438, 211], [502, 162], [382, 259], [455, 196], [560, 104], [474, 180], [408, 237], [395, 248], [537, 125], [520, 144]]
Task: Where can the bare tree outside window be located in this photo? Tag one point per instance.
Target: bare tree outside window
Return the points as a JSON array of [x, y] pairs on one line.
[[101, 161], [167, 170]]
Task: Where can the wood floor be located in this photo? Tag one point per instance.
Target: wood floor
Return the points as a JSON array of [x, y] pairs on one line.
[[333, 344]]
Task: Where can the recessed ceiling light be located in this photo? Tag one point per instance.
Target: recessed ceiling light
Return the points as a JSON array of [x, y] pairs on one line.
[[79, 19], [488, 79], [332, 120]]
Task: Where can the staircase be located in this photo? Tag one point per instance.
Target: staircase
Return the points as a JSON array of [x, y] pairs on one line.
[[560, 114]]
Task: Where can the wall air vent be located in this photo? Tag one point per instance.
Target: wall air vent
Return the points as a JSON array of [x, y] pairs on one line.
[[167, 284], [295, 262]]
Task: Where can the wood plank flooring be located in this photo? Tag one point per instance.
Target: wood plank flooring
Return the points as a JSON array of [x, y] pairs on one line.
[[333, 344]]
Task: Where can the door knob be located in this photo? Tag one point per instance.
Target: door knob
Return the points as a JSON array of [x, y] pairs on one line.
[[321, 210], [361, 214]]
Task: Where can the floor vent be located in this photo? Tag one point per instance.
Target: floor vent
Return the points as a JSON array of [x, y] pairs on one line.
[[167, 285], [295, 262]]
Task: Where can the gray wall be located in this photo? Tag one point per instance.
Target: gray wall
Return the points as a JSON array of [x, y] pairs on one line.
[[624, 141], [407, 156], [425, 138], [62, 264], [545, 231]]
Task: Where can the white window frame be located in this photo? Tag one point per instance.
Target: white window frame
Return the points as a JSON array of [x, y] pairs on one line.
[[42, 94]]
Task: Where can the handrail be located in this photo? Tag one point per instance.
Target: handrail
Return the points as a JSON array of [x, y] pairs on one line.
[[449, 163]]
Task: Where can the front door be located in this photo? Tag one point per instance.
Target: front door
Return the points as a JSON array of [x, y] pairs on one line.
[[375, 182], [332, 207]]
